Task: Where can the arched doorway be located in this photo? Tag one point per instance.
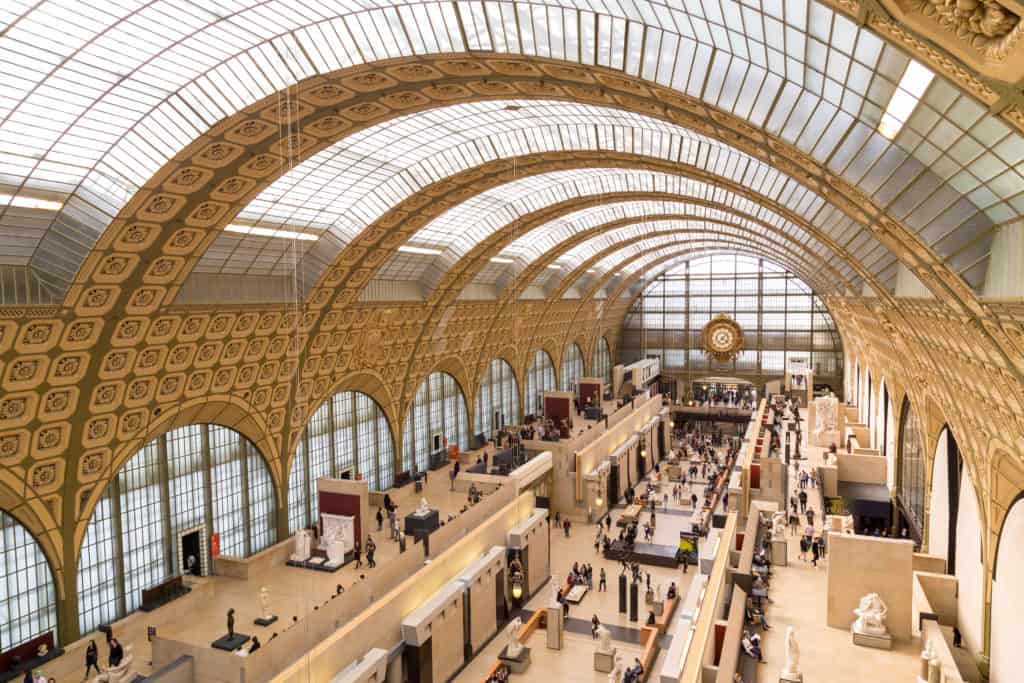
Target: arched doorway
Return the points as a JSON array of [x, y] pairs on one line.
[[1008, 598], [944, 498]]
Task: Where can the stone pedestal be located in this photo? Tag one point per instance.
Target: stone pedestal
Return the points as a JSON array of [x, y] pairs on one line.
[[604, 661], [265, 621], [788, 677], [517, 664], [780, 550], [877, 641], [555, 625]]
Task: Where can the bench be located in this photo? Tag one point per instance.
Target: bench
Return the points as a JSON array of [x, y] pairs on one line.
[[661, 623], [649, 637]]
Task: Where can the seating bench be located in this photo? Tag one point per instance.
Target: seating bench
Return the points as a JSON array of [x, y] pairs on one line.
[[662, 622]]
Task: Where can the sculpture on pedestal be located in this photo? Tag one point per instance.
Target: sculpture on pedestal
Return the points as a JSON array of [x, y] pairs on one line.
[[513, 647], [424, 507], [604, 640], [792, 668], [231, 623], [265, 602], [871, 615], [303, 545]]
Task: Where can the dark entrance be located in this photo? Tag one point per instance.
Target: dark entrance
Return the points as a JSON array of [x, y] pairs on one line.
[[613, 485], [191, 552], [500, 604]]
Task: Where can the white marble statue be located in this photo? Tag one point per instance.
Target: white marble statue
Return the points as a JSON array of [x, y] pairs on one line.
[[338, 537], [513, 646], [871, 615], [792, 668], [555, 602], [122, 673], [604, 640], [424, 507], [615, 675], [303, 544], [265, 603], [779, 526]]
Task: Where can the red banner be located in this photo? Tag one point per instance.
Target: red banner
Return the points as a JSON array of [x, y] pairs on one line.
[[215, 545]]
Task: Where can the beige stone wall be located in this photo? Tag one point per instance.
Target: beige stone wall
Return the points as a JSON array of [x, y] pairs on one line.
[[861, 469], [859, 565], [483, 619]]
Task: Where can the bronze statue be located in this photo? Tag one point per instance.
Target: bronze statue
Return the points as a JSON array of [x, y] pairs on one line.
[[231, 623]]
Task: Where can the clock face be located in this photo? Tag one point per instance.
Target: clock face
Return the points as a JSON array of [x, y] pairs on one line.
[[723, 338]]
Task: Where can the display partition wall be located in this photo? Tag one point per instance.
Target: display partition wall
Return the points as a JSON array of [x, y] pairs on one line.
[[197, 475], [348, 436], [497, 399], [540, 377], [437, 417], [779, 314], [28, 597]]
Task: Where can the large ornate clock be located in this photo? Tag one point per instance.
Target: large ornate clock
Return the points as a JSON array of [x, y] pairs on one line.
[[722, 338]]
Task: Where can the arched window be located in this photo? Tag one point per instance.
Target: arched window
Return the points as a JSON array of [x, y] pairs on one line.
[[195, 475], [439, 408], [539, 378], [911, 489], [602, 361], [572, 367], [498, 396], [350, 432], [28, 598]]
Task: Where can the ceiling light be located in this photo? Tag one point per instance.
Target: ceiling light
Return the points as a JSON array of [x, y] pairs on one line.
[[425, 251], [554, 266], [591, 270], [24, 202], [915, 81], [271, 232], [499, 259]]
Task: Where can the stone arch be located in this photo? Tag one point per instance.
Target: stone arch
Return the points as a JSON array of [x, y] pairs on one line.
[[1007, 598]]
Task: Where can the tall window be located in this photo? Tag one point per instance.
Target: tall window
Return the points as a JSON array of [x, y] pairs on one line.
[[572, 367], [198, 474], [911, 468], [28, 598], [780, 316], [498, 393], [438, 408], [349, 433], [602, 361], [539, 378]]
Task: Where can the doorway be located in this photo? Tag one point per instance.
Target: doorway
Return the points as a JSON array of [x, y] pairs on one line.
[[191, 553]]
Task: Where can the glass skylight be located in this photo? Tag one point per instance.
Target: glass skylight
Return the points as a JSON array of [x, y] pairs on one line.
[[915, 81], [90, 113]]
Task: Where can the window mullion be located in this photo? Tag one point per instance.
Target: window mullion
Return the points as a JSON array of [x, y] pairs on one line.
[[165, 504], [243, 444]]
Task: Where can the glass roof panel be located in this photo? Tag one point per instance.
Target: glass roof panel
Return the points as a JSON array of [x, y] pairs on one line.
[[97, 97]]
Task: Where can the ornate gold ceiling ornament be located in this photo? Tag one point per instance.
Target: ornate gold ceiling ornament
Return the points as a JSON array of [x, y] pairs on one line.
[[722, 338]]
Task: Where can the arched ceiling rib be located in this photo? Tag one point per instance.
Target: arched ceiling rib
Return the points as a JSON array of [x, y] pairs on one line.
[[465, 226], [625, 260], [98, 109], [585, 258]]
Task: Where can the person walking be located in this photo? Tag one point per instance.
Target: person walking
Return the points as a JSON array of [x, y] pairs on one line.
[[810, 516], [380, 519], [92, 659], [371, 548], [594, 624], [803, 501], [602, 584], [565, 526], [815, 552], [358, 550]]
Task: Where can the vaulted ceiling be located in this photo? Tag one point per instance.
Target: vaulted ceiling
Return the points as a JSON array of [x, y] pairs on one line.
[[761, 116]]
